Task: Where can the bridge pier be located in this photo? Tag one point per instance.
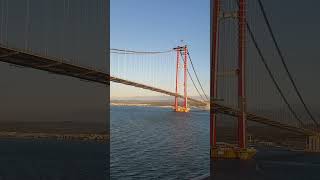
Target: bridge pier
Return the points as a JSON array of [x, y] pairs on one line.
[[313, 143]]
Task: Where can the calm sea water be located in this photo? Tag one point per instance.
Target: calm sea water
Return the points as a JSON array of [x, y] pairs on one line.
[[156, 143], [147, 143], [52, 160]]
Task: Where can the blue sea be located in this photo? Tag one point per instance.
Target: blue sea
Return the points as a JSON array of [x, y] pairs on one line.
[[147, 143], [27, 159], [156, 143]]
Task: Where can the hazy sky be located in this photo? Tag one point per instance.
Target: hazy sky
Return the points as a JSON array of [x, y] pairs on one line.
[[297, 28], [161, 25], [73, 29]]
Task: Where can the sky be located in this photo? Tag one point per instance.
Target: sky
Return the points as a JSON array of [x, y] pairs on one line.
[[149, 25], [73, 29], [297, 29]]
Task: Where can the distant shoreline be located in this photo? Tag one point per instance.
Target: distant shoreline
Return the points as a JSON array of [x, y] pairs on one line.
[[55, 136], [140, 104], [150, 105]]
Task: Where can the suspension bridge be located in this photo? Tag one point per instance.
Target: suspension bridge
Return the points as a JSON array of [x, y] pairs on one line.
[[248, 83]]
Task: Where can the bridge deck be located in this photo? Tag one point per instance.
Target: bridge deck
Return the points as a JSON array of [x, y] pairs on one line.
[[26, 59], [263, 120]]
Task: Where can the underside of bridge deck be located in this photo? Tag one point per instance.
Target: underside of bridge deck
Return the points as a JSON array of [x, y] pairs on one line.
[[31, 60]]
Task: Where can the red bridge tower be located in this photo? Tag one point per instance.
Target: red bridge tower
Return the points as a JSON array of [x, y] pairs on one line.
[[181, 51], [239, 151]]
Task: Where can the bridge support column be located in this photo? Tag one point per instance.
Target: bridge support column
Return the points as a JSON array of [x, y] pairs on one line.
[[177, 80], [185, 67], [215, 12], [313, 144], [242, 137]]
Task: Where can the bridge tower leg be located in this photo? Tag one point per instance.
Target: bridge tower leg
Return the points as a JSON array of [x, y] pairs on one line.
[[215, 12], [177, 80], [185, 67], [242, 137], [240, 150]]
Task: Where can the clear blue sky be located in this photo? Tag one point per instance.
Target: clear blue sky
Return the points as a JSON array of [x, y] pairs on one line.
[[161, 25]]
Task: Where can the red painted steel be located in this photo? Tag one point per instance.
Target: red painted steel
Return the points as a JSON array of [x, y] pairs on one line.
[[213, 69], [177, 79], [241, 74], [185, 67]]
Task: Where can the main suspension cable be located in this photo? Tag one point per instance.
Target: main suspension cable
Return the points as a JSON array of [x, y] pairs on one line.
[[271, 75], [284, 63], [119, 51], [197, 76], [192, 79]]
